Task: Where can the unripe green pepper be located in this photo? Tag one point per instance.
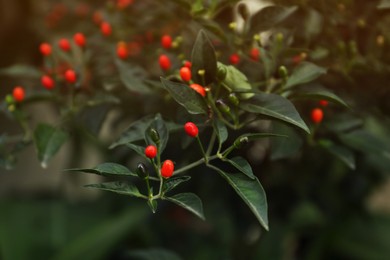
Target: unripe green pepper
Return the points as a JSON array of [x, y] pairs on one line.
[[154, 136], [234, 99]]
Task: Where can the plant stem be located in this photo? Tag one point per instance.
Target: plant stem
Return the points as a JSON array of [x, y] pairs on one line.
[[201, 148], [194, 164], [211, 144]]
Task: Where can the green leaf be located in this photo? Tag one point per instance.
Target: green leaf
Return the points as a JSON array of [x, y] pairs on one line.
[[119, 187], [190, 202], [153, 254], [135, 132], [99, 241], [203, 58], [24, 71], [106, 169], [48, 140], [304, 73], [384, 4], [284, 147], [342, 153], [186, 96], [173, 182], [140, 150], [252, 137], [274, 106], [269, 17], [316, 91], [250, 191], [221, 131], [132, 76], [212, 27], [235, 80], [242, 165], [159, 125]]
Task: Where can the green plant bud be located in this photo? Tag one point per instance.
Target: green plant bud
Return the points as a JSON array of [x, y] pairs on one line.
[[279, 37], [222, 106], [234, 99], [201, 72], [154, 135], [283, 72], [241, 142], [243, 11], [221, 72], [9, 99], [142, 171]]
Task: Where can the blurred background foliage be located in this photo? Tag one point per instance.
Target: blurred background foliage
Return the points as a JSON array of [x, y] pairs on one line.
[[320, 207]]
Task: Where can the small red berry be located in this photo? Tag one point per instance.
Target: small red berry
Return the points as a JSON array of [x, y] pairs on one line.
[[79, 39], [167, 169], [317, 115], [45, 49], [296, 59], [18, 94], [70, 76], [323, 103], [47, 82], [188, 64], [64, 44], [151, 151], [166, 41], [122, 51], [198, 88], [105, 28], [185, 74], [165, 62], [234, 59], [191, 129], [254, 54]]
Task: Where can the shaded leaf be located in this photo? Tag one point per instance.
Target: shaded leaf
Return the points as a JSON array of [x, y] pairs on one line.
[[221, 131], [250, 191], [48, 140], [203, 58], [135, 132], [304, 73], [153, 254], [186, 96], [242, 165], [132, 76], [24, 71], [188, 201], [123, 188], [159, 125], [173, 182], [269, 17], [106, 169], [342, 153], [284, 147], [274, 106], [317, 91]]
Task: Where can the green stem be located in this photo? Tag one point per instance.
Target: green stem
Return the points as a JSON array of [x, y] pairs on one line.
[[194, 164], [211, 144], [201, 148]]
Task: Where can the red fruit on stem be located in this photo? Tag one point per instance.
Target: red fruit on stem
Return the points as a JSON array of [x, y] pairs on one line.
[[47, 82], [167, 169], [185, 73], [191, 129], [79, 39], [122, 51], [105, 28], [18, 94], [45, 49], [317, 115], [254, 54], [165, 62], [151, 151], [188, 64], [234, 59], [198, 88], [323, 103], [166, 41], [70, 76], [64, 44]]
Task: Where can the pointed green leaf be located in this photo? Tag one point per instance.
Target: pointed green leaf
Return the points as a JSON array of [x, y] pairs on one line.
[[135, 132], [274, 106], [285, 147], [203, 58], [159, 125], [242, 165], [342, 153], [250, 191], [106, 169], [221, 131], [140, 150], [24, 71], [173, 182], [190, 202], [304, 73], [186, 96], [132, 76], [48, 140], [316, 91], [269, 17], [123, 188]]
